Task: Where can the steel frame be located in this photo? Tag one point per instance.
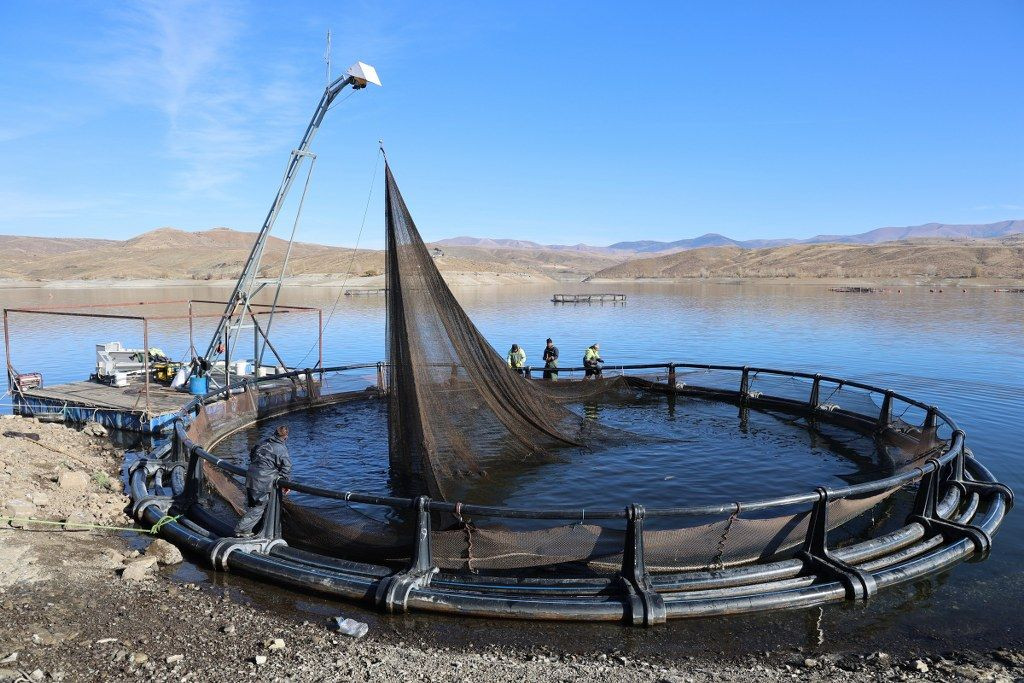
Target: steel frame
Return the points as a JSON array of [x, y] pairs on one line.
[[959, 508]]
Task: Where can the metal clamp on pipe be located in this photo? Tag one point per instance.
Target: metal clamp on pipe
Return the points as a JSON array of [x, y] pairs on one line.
[[969, 486], [859, 584], [269, 536], [161, 503], [926, 514], [149, 465], [393, 591], [647, 606]]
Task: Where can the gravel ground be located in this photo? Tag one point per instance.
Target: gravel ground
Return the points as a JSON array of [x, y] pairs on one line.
[[89, 606]]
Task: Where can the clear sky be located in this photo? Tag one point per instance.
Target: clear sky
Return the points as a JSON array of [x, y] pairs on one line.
[[559, 122]]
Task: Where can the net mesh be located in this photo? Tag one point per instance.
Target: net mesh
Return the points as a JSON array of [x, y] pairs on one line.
[[455, 406], [456, 411]]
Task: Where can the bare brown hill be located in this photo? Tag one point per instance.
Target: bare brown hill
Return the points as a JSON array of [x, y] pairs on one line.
[[219, 253], [998, 258]]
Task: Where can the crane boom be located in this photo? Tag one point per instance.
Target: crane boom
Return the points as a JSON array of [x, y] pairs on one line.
[[358, 76]]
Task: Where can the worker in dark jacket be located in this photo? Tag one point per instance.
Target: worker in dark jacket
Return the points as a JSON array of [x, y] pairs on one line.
[[550, 360], [268, 461]]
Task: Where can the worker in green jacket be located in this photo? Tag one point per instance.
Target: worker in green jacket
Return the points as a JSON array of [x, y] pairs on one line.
[[592, 361], [516, 357]]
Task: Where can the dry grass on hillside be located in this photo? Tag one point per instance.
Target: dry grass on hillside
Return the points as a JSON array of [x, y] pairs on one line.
[[1002, 258], [215, 254]]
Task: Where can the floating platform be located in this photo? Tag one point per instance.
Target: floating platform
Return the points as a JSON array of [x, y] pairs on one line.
[[114, 407], [854, 290], [365, 292], [588, 298], [1011, 290], [122, 408]]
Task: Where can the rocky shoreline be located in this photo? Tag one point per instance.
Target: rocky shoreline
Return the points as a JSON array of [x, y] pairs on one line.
[[99, 604]]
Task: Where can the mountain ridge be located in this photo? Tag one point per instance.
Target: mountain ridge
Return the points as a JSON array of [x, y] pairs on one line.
[[712, 239]]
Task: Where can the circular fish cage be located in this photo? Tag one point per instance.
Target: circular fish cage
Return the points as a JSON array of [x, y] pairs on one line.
[[630, 564]]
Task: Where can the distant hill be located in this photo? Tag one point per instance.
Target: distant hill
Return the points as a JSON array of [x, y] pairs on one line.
[[219, 254], [999, 258], [711, 239], [489, 243], [216, 254], [985, 231]]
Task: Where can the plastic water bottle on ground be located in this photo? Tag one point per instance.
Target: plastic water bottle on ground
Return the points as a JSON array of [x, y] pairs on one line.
[[350, 627]]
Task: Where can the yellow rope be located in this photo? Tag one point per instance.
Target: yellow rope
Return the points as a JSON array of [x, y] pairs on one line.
[[155, 529]]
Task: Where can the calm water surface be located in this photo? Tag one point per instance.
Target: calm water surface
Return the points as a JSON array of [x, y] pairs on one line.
[[961, 351]]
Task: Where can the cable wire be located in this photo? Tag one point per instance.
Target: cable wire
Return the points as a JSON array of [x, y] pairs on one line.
[[355, 252]]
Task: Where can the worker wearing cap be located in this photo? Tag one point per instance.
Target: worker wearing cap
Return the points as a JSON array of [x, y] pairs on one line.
[[516, 358], [550, 360]]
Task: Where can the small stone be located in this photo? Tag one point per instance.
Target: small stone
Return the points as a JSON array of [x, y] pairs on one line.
[[920, 666], [79, 520], [104, 641], [174, 659], [41, 498], [73, 480], [139, 658], [810, 662], [260, 660], [37, 675], [94, 429], [276, 644], [10, 659], [164, 552], [228, 630], [44, 638], [20, 508], [138, 570]]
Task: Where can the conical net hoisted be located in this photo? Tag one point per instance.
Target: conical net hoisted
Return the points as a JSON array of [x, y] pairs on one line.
[[455, 407]]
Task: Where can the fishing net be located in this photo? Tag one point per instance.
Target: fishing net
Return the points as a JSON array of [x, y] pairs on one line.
[[458, 413], [455, 406]]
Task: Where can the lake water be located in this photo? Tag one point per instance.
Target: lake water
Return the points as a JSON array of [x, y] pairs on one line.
[[961, 351]]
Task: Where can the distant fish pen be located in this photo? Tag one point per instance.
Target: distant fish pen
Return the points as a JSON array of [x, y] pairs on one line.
[[366, 292], [634, 564], [588, 298], [854, 290]]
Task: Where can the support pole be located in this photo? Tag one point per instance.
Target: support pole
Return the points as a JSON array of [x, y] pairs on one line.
[[227, 363], [859, 584], [393, 591], [885, 414], [672, 377], [646, 605], [926, 514], [145, 362], [7, 356]]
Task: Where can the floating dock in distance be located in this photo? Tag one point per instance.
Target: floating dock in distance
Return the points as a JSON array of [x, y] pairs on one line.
[[365, 292], [588, 298], [1011, 290], [854, 290]]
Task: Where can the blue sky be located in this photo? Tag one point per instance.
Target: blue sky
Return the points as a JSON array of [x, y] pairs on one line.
[[557, 122]]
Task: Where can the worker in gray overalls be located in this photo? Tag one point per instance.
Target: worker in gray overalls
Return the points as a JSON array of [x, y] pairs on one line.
[[268, 461]]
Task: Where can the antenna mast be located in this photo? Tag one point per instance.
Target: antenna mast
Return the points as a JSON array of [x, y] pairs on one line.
[[327, 56]]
